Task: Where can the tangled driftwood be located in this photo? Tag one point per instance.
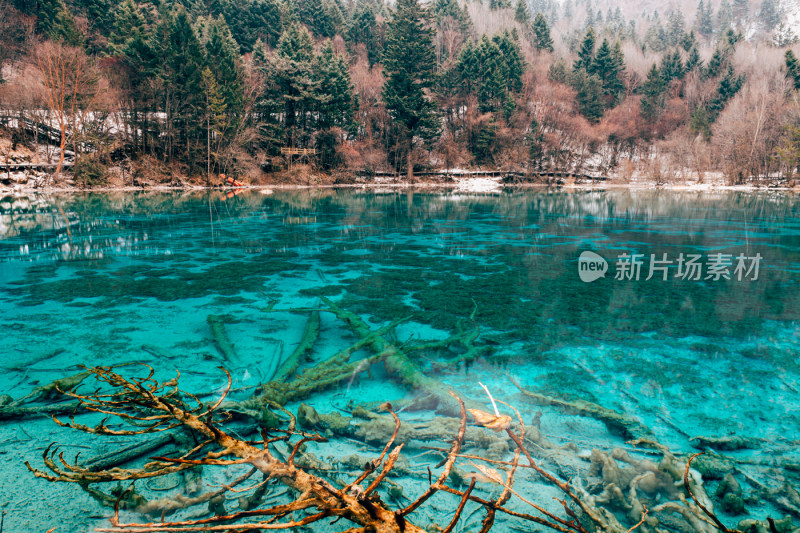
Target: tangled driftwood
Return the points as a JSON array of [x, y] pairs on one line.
[[148, 406], [618, 493]]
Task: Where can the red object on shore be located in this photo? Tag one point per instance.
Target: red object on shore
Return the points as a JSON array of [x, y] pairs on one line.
[[232, 181]]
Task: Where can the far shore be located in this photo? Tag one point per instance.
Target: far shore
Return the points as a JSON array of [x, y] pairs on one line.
[[461, 185]]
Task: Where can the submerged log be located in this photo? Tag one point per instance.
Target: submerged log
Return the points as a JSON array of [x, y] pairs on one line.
[[310, 336], [625, 425], [221, 340]]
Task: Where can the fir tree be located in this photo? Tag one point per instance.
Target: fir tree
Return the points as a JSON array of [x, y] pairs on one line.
[[513, 64], [728, 86], [535, 139], [291, 88], [607, 65], [467, 67], [521, 13], [363, 28], [215, 117], [724, 15], [703, 21], [335, 104], [323, 17], [558, 72], [492, 75], [265, 22], [586, 52], [542, 33], [652, 90], [64, 28], [699, 124], [688, 41], [181, 62], [335, 98], [693, 61], [672, 67], [128, 22], [444, 9], [656, 37], [769, 14], [675, 28], [589, 94], [222, 58], [499, 4], [410, 67], [792, 69], [718, 60]]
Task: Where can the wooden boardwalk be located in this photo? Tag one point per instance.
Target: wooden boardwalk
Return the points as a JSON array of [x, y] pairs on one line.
[[17, 167], [496, 174]]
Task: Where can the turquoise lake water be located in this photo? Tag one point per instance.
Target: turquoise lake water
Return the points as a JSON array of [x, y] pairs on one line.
[[102, 279]]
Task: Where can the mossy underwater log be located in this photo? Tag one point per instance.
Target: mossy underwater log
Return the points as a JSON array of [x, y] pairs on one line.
[[625, 425], [310, 336], [221, 340]]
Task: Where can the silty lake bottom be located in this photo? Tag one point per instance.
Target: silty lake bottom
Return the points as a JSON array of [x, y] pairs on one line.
[[166, 279]]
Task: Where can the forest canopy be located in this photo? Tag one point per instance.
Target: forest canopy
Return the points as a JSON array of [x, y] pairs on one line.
[[207, 87]]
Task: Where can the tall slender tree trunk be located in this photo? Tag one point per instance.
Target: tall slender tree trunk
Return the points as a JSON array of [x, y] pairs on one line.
[[410, 160], [62, 149]]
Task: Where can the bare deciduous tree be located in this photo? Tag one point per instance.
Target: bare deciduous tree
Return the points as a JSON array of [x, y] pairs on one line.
[[69, 83]]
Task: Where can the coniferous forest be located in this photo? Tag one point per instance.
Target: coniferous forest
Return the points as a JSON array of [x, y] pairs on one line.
[[155, 89]]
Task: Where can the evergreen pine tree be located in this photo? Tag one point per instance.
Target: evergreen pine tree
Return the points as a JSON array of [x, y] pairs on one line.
[[717, 62], [769, 14], [724, 15], [289, 96], [703, 21], [672, 67], [222, 58], [513, 64], [410, 69], [181, 62], [792, 69], [64, 28], [652, 90], [128, 22], [656, 37], [675, 28], [492, 74], [589, 94], [521, 13], [535, 140], [467, 67], [363, 28], [741, 7], [606, 65], [688, 41], [323, 17], [728, 86], [335, 104], [216, 118], [542, 33], [444, 9], [586, 52], [266, 22], [699, 124], [558, 72], [693, 60]]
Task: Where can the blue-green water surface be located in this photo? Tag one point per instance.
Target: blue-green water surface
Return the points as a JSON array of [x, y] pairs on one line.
[[115, 278]]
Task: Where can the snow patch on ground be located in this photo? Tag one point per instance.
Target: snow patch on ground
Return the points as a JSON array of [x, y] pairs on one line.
[[478, 185]]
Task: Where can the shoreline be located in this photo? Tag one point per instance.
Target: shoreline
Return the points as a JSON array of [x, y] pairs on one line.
[[462, 185]]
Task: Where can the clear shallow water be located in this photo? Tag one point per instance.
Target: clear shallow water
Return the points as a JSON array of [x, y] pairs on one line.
[[105, 279]]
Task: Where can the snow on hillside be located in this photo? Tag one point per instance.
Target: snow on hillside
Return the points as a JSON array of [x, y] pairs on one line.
[[792, 10]]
